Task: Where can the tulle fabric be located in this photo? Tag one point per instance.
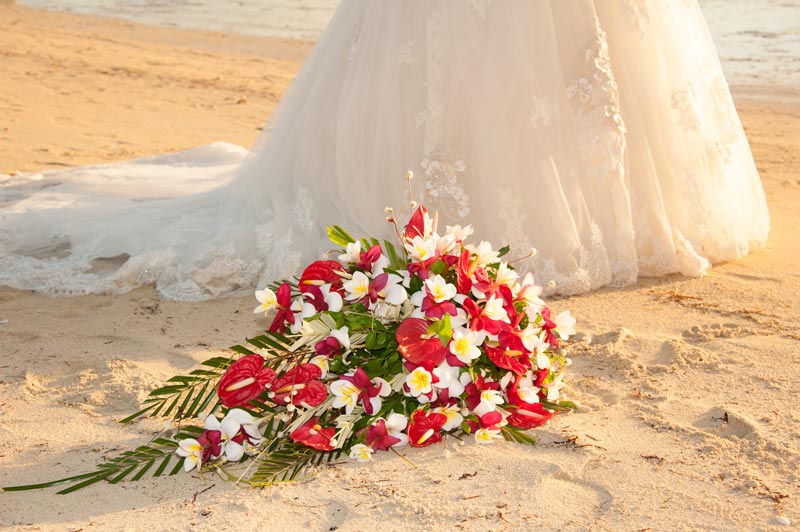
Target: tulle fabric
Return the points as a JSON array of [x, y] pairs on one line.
[[601, 133]]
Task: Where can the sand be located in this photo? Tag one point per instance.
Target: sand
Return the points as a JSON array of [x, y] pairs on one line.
[[688, 387]]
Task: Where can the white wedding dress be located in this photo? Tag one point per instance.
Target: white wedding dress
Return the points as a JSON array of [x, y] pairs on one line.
[[602, 133]]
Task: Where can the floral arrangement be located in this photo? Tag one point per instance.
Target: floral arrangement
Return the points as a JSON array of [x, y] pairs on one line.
[[380, 348]]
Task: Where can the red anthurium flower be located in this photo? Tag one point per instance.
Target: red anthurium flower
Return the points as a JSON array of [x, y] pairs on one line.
[[284, 314], [378, 437], [479, 321], [416, 346], [424, 428], [548, 325], [516, 360], [312, 434], [528, 415], [299, 386], [484, 284], [491, 420], [464, 281], [244, 380], [475, 388], [322, 272], [419, 224]]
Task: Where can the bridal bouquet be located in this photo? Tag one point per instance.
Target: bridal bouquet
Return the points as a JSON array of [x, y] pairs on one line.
[[380, 348]]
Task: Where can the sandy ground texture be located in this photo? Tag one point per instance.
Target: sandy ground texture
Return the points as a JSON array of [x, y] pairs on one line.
[[688, 388]]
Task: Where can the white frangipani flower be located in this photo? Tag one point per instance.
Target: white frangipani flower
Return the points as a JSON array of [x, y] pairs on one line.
[[451, 379], [507, 276], [395, 425], [421, 249], [342, 335], [361, 453], [419, 382], [439, 289], [484, 254], [531, 292], [532, 339], [465, 345], [453, 414], [526, 390], [394, 293], [565, 325], [346, 395], [494, 309], [192, 451], [352, 253], [486, 436], [322, 362], [267, 301], [458, 232], [490, 399], [356, 287], [554, 387]]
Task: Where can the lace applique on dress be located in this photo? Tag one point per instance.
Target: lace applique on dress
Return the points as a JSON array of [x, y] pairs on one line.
[[637, 14], [683, 104], [405, 56], [480, 6], [542, 112], [443, 191]]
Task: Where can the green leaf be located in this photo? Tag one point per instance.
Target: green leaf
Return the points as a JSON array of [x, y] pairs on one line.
[[339, 236], [516, 435]]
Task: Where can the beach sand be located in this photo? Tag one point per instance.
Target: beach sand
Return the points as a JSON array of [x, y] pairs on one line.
[[688, 387]]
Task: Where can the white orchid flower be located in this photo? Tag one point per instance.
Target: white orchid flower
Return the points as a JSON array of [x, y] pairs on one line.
[[439, 289], [192, 451], [465, 345], [565, 325], [361, 453], [356, 287], [352, 253], [267, 301], [419, 382]]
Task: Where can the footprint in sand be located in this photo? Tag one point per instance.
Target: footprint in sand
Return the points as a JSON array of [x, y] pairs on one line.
[[705, 333]]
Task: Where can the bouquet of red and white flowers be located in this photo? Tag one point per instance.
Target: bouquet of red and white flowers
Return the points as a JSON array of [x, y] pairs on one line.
[[379, 348]]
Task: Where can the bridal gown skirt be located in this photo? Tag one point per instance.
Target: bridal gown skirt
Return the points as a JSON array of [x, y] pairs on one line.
[[602, 133]]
